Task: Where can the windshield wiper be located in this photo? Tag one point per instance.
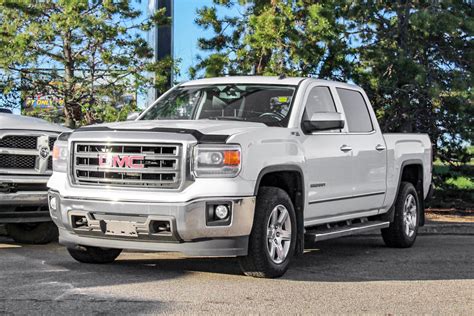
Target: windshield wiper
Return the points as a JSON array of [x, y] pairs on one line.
[[226, 118]]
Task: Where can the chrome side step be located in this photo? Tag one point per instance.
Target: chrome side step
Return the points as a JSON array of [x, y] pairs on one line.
[[324, 233]]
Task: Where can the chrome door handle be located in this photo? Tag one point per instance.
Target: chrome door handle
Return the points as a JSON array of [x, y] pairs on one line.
[[380, 147], [345, 148]]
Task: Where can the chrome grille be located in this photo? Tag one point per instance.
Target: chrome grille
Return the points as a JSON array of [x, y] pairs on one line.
[[26, 152], [154, 165]]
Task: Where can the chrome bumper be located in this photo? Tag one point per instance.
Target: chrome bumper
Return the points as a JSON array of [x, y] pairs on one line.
[[188, 231], [23, 198]]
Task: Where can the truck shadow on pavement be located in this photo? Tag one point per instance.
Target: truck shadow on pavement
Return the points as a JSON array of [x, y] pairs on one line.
[[356, 259]]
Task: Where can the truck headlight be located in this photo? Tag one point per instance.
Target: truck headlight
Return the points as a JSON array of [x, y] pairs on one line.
[[61, 153], [220, 161]]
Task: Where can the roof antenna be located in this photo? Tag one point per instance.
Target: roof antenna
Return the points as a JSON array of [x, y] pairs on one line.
[[281, 76]]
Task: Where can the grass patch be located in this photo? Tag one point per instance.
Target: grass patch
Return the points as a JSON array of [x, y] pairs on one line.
[[463, 183], [454, 187]]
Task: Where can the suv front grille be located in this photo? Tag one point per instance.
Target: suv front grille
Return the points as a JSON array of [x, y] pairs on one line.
[[143, 165]]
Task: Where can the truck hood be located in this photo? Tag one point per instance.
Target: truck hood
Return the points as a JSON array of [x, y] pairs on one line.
[[208, 127], [12, 121]]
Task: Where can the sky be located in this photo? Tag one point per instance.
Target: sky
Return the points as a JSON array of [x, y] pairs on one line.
[[185, 35], [186, 32]]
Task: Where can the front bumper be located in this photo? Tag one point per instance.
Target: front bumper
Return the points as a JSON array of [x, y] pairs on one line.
[[24, 198], [133, 222], [26, 202], [24, 207]]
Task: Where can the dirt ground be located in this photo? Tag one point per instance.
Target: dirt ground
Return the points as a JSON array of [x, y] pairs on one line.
[[450, 215]]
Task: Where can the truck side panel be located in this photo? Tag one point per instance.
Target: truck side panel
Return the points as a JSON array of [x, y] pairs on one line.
[[403, 150]]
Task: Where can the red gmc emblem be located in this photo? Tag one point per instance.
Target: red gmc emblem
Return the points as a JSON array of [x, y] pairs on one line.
[[121, 161]]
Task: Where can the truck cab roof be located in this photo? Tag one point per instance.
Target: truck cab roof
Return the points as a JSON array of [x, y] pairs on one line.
[[271, 80]]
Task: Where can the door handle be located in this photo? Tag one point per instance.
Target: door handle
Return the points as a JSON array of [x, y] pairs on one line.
[[380, 147], [345, 148]]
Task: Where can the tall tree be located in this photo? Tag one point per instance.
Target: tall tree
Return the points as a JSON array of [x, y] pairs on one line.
[[271, 37], [415, 62], [85, 53]]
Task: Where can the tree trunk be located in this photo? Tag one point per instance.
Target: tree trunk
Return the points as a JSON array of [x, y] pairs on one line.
[[69, 106]]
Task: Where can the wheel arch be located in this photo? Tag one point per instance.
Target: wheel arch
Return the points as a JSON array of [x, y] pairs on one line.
[[411, 170], [289, 178]]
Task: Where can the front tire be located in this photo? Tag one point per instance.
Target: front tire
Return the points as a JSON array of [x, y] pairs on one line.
[[94, 254], [33, 233], [403, 230], [273, 238]]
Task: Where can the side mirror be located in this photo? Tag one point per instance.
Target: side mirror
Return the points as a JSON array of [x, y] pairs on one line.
[[132, 116], [324, 121]]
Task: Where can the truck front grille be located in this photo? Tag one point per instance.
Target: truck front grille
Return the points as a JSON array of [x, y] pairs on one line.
[[51, 142], [17, 141], [26, 154], [17, 161], [142, 165]]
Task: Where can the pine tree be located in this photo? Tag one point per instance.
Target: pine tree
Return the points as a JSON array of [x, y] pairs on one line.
[[84, 53], [296, 38], [415, 62]]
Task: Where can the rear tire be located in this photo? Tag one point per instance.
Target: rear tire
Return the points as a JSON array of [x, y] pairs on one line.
[[273, 238], [94, 254], [33, 233], [403, 230]]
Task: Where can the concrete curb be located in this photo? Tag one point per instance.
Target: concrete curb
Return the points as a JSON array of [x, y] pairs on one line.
[[444, 228]]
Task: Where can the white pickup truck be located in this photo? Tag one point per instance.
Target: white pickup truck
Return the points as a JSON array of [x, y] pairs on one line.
[[239, 166], [26, 144]]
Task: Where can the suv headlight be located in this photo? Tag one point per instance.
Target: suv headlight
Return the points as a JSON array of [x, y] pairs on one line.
[[216, 161], [61, 153]]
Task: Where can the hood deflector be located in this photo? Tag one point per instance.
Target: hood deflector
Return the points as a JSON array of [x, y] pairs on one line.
[[200, 137]]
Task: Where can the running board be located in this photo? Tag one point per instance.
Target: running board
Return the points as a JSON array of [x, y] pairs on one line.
[[330, 233]]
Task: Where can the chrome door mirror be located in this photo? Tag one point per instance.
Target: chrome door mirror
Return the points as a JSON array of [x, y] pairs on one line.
[[323, 121]]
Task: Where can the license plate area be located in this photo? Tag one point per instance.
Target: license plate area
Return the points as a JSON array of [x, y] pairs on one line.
[[119, 228]]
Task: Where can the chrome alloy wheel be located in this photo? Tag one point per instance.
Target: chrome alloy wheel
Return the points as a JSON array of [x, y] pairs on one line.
[[279, 234], [409, 215]]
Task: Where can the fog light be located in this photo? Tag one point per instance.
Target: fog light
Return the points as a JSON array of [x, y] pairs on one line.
[[53, 203], [221, 211]]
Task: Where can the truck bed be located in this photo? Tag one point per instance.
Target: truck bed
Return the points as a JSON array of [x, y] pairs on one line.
[[407, 148]]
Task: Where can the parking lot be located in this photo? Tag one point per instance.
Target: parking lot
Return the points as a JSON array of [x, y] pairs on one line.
[[350, 275]]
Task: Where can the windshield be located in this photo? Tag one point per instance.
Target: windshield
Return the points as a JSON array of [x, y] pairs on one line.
[[268, 104]]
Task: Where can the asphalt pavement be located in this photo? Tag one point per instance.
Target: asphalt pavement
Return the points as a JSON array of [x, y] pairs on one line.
[[349, 275]]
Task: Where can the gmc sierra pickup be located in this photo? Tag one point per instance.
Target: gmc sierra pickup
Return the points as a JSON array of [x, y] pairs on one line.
[[250, 167], [25, 167]]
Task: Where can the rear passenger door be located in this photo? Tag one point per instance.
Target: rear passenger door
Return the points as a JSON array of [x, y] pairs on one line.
[[368, 151]]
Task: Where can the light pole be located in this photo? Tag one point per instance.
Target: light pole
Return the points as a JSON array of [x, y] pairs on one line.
[[161, 38]]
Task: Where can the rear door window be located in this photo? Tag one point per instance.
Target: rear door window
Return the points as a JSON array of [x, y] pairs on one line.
[[356, 111]]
